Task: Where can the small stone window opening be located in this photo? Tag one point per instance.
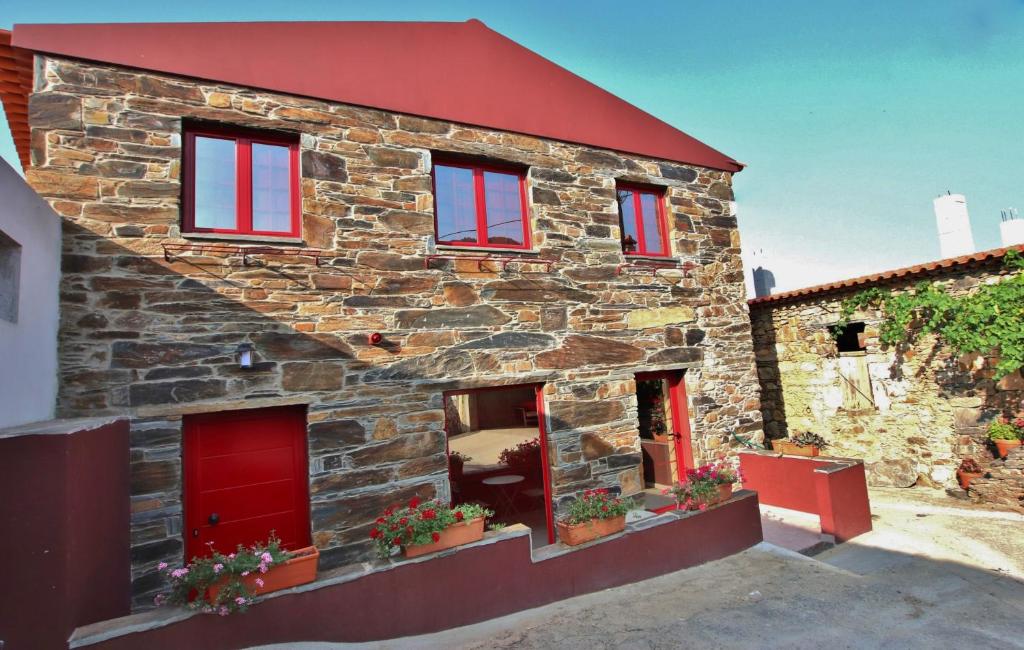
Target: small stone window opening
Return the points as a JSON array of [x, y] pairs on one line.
[[10, 277], [642, 221], [853, 368]]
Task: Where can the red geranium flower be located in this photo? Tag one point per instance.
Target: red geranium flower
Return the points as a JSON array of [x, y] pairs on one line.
[[430, 514], [604, 508], [403, 520], [374, 533], [414, 502], [394, 526], [435, 536], [459, 516], [381, 520], [397, 542], [388, 511]]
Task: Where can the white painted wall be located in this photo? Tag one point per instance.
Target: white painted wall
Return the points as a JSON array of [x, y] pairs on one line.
[[28, 347]]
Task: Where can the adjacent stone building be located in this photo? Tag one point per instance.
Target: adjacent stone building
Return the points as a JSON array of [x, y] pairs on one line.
[[913, 416], [170, 315]]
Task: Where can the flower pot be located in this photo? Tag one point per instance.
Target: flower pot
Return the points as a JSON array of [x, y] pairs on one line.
[[296, 570], [1006, 446], [576, 534], [724, 492], [792, 449], [965, 478], [454, 535]]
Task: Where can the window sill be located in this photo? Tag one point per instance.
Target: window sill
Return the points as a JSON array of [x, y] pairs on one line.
[[255, 239], [652, 258], [486, 249]]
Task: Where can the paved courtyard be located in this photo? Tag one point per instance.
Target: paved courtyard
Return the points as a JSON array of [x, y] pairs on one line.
[[933, 574]]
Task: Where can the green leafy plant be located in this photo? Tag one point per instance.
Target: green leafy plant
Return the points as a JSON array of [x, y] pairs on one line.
[[700, 488], [189, 584], [1003, 429], [808, 439], [989, 319], [419, 522], [596, 504]]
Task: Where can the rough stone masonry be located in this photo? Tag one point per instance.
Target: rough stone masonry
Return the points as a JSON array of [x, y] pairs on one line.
[[154, 338]]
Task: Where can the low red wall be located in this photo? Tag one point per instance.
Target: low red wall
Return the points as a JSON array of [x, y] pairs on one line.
[[835, 489], [64, 517], [471, 585]]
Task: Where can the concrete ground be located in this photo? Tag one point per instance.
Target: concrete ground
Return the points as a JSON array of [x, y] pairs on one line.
[[933, 574]]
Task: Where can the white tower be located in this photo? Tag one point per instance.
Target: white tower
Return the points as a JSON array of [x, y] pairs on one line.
[[955, 238], [1011, 230]]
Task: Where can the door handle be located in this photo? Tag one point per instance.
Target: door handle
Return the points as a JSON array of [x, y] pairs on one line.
[[213, 519], [677, 435]]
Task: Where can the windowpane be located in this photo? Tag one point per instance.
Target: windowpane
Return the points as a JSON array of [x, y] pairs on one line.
[[456, 204], [504, 209], [271, 188], [627, 214], [215, 182], [652, 232]]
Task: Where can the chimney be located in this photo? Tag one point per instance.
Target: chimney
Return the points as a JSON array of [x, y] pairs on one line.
[[955, 238], [1011, 229]]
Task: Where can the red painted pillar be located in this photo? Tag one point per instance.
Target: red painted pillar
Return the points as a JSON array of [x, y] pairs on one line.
[[843, 504]]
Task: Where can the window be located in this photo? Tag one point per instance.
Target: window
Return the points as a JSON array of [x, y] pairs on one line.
[[10, 277], [642, 221], [853, 368], [480, 206], [242, 183]]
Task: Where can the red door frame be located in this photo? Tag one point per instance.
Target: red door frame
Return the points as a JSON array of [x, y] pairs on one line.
[[542, 434], [680, 416], [190, 475]]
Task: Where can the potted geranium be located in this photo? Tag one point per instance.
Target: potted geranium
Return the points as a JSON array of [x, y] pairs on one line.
[[423, 527], [705, 486], [803, 444], [1006, 434], [457, 461], [224, 584], [968, 471], [596, 513], [525, 455]]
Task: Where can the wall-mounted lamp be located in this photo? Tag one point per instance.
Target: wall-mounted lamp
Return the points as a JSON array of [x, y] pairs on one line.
[[245, 353], [376, 338]]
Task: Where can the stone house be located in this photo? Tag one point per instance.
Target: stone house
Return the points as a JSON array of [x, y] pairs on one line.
[[280, 260], [912, 415]]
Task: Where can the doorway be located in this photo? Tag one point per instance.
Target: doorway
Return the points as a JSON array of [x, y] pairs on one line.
[[245, 475], [496, 440], [664, 424]]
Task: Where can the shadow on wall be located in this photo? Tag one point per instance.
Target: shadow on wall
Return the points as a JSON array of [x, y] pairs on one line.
[[773, 404]]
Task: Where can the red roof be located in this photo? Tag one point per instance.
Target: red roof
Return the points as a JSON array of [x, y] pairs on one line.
[[906, 273], [460, 72]]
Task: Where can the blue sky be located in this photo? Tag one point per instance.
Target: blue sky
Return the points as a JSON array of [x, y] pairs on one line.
[[852, 117]]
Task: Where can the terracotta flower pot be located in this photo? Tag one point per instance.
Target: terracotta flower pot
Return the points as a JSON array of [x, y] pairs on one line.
[[1006, 446], [454, 535], [296, 570], [792, 449], [965, 478], [724, 492], [574, 535]]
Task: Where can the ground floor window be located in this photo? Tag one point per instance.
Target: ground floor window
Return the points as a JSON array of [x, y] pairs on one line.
[[495, 442]]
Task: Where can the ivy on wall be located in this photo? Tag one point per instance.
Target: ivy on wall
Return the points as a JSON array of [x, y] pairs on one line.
[[987, 320]]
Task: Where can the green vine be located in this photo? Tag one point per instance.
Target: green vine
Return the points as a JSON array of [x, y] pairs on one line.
[[990, 319]]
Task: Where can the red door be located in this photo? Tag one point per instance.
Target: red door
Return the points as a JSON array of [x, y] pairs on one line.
[[680, 417], [245, 476]]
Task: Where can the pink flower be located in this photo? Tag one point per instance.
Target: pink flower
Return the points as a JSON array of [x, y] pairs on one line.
[[217, 568], [179, 573], [259, 582], [223, 611], [159, 599], [239, 601], [266, 557], [263, 568], [231, 557], [161, 566], [245, 573]]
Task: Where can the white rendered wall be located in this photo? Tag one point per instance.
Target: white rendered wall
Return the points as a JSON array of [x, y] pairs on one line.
[[1012, 232], [955, 238], [28, 347]]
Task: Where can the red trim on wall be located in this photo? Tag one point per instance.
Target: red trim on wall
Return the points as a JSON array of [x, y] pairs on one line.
[[244, 139], [480, 201]]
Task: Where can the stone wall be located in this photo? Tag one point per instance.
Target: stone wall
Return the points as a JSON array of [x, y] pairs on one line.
[[154, 337], [931, 408]]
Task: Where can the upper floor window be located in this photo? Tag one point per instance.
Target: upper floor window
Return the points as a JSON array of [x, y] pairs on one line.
[[642, 221], [478, 205], [241, 183]]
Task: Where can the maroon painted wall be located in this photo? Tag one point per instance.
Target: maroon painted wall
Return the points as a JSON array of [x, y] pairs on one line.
[[835, 489], [471, 585], [65, 521]]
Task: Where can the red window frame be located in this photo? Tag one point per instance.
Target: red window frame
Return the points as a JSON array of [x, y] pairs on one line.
[[659, 203], [244, 140], [479, 200]]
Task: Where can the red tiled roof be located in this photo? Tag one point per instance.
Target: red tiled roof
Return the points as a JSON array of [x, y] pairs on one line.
[[460, 72], [15, 85], [906, 273]]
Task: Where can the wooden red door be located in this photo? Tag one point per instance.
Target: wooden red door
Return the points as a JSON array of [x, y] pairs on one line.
[[245, 475]]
